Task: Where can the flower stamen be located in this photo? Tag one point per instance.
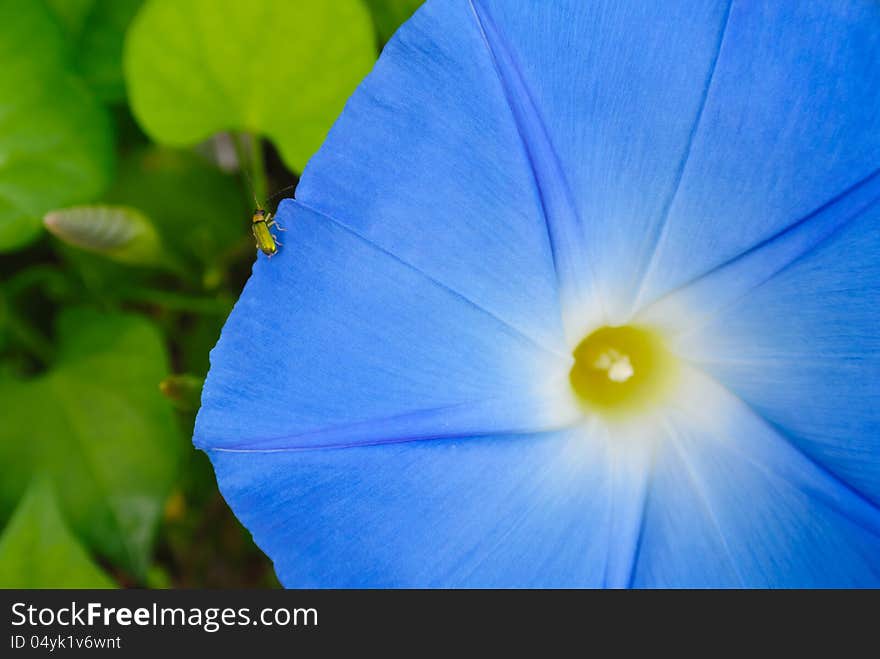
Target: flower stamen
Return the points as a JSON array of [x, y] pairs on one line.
[[621, 370]]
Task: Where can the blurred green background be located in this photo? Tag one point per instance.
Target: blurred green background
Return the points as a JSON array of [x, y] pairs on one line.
[[135, 136]]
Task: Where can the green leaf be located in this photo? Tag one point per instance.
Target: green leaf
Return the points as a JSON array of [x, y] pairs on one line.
[[278, 68], [55, 138], [120, 233], [388, 15], [98, 427], [37, 550], [96, 30], [198, 209]]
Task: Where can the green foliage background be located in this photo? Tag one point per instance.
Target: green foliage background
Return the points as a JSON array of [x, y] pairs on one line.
[[134, 137]]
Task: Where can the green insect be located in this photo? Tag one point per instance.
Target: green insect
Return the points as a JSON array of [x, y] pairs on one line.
[[266, 241]]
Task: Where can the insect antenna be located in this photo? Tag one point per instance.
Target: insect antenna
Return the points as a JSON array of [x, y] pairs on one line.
[[277, 194], [250, 187]]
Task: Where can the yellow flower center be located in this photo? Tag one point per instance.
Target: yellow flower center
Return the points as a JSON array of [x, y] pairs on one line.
[[619, 371]]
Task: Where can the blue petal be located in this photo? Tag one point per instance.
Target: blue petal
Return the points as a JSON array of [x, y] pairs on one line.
[[619, 88], [336, 342], [479, 512], [427, 163], [790, 122], [803, 348], [688, 134], [733, 503], [687, 309]]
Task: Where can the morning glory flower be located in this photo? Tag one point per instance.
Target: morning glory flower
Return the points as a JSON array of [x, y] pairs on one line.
[[574, 294]]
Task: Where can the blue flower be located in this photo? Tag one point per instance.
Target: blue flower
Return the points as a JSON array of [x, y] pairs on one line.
[[575, 294]]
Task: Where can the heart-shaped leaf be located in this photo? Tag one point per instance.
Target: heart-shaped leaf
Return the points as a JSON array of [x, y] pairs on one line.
[[99, 428], [55, 138], [278, 68], [37, 550]]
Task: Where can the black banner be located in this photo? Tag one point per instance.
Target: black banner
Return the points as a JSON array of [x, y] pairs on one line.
[[136, 622]]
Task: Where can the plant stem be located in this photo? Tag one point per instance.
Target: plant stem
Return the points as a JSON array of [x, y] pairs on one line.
[[252, 165], [258, 169]]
